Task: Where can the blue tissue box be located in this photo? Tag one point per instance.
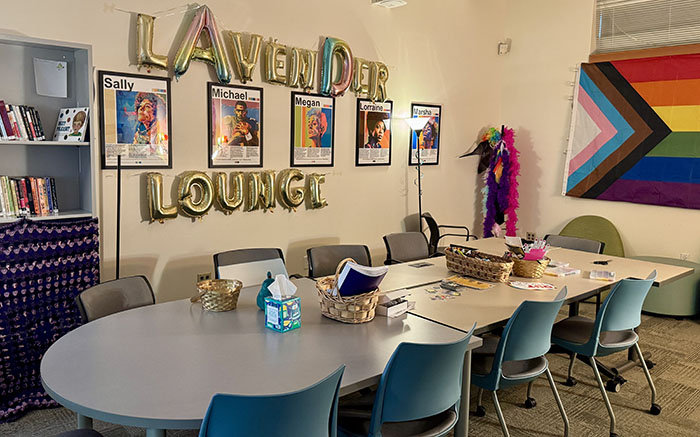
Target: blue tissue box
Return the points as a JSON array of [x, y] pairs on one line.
[[283, 315]]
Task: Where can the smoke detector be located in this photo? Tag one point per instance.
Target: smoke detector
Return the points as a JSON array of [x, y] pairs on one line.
[[389, 3]]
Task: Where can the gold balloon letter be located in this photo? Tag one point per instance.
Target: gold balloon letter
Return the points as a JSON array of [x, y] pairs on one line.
[[301, 69], [245, 63], [315, 180], [273, 63], [377, 85], [144, 44], [332, 48], [229, 201], [154, 191], [261, 190], [360, 82], [291, 197], [215, 54], [187, 203]]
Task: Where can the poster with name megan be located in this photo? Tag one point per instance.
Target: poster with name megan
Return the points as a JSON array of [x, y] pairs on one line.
[[135, 120], [426, 142], [313, 134]]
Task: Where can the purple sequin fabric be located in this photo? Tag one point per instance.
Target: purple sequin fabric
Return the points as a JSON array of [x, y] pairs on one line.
[[44, 265]]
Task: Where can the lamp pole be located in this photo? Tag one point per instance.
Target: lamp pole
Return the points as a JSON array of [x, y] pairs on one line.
[[420, 189]]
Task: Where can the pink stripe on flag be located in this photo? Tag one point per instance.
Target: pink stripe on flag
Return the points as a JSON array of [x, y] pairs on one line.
[[607, 131]]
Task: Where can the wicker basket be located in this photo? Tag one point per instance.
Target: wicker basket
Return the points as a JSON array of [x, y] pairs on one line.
[[218, 294], [347, 309], [529, 268], [479, 265]]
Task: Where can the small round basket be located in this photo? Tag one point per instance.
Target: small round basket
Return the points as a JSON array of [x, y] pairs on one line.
[[218, 294], [529, 269], [347, 309]]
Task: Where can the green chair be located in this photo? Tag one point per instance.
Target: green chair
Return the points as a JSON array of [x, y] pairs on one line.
[[680, 298], [593, 227]]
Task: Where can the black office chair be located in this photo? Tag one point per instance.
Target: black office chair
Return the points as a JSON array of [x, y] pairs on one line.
[[575, 243], [114, 296], [323, 260], [407, 246], [436, 235]]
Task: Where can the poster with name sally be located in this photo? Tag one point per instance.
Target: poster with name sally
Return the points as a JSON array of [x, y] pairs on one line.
[[235, 126], [135, 120], [427, 141], [373, 138], [313, 121]]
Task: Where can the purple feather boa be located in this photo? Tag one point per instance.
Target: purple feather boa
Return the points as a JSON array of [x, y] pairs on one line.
[[502, 197]]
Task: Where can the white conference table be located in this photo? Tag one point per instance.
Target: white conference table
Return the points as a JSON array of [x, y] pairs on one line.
[[158, 366], [493, 307]]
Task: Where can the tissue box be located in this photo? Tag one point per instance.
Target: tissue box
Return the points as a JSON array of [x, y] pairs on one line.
[[283, 315]]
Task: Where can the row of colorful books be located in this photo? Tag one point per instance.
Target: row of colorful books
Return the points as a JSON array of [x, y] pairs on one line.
[[20, 122], [27, 196]]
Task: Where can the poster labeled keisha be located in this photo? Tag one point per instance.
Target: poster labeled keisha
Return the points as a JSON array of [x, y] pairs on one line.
[[235, 126], [427, 141], [135, 120], [313, 119], [373, 139]]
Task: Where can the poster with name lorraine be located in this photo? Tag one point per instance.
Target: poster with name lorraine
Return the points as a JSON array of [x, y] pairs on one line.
[[135, 120], [373, 136], [312, 137]]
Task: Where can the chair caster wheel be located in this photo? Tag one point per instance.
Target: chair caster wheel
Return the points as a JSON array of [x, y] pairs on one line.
[[655, 409], [613, 385], [612, 434], [650, 364], [480, 411], [570, 382], [530, 403]]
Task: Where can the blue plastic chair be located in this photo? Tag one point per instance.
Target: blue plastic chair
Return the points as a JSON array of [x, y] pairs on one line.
[[308, 412], [418, 393], [518, 356], [611, 331]]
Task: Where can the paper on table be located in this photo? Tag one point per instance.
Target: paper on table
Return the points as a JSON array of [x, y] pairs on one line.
[[282, 288], [51, 78]]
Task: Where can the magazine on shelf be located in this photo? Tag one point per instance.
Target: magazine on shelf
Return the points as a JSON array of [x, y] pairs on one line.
[[357, 279], [71, 124]]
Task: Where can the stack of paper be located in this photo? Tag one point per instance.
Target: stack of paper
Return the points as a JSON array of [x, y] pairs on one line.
[[562, 271]]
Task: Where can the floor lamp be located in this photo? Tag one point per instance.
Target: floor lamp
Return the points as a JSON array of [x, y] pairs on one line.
[[417, 124]]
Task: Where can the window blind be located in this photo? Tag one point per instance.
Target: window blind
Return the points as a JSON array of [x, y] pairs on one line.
[[639, 24]]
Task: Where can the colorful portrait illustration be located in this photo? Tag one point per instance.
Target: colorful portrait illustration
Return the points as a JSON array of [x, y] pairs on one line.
[[313, 127], [141, 119], [373, 136], [77, 124], [426, 140], [312, 130]]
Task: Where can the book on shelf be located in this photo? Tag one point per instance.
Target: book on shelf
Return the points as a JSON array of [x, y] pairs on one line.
[[71, 124], [20, 122], [28, 196], [356, 279]]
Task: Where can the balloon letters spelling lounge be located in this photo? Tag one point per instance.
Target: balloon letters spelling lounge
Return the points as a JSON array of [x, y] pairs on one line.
[[284, 65]]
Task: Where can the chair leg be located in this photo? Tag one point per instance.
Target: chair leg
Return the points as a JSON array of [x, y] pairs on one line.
[[655, 408], [605, 396], [500, 414], [530, 402], [480, 410], [571, 381], [559, 404]]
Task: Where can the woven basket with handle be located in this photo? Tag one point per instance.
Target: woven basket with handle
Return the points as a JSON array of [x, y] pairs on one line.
[[479, 265], [218, 294], [347, 309], [529, 268]]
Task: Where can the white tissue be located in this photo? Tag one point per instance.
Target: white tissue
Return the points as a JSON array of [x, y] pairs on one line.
[[282, 288]]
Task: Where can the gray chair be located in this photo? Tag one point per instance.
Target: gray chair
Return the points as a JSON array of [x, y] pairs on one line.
[[250, 266], [114, 296], [323, 260], [406, 246], [575, 243]]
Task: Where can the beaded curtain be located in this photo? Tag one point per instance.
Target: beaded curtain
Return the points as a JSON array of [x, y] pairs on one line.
[[44, 265]]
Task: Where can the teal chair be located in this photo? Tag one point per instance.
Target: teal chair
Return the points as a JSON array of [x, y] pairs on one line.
[[418, 393], [518, 356], [308, 412], [611, 331]]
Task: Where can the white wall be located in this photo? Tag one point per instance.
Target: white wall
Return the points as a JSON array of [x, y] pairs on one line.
[[441, 53], [550, 37]]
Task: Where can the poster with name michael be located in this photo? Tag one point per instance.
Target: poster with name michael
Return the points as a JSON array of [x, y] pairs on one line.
[[313, 121], [427, 140], [235, 126], [373, 137], [135, 120]]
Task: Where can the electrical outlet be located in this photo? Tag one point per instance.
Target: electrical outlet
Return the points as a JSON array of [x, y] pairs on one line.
[[684, 256], [530, 236], [306, 262], [203, 276]]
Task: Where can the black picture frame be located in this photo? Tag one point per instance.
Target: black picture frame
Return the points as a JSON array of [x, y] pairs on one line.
[[416, 109], [161, 87], [293, 161], [361, 140], [210, 124]]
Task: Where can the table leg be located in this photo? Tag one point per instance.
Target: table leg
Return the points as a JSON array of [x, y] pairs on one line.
[[152, 432], [462, 427], [84, 422]]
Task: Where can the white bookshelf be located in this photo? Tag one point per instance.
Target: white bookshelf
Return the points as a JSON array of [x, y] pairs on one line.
[[71, 164]]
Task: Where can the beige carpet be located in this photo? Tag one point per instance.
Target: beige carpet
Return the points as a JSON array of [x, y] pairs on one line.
[[675, 348]]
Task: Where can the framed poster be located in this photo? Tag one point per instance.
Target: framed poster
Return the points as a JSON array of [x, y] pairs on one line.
[[428, 142], [313, 130], [235, 126], [373, 139], [135, 120]]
